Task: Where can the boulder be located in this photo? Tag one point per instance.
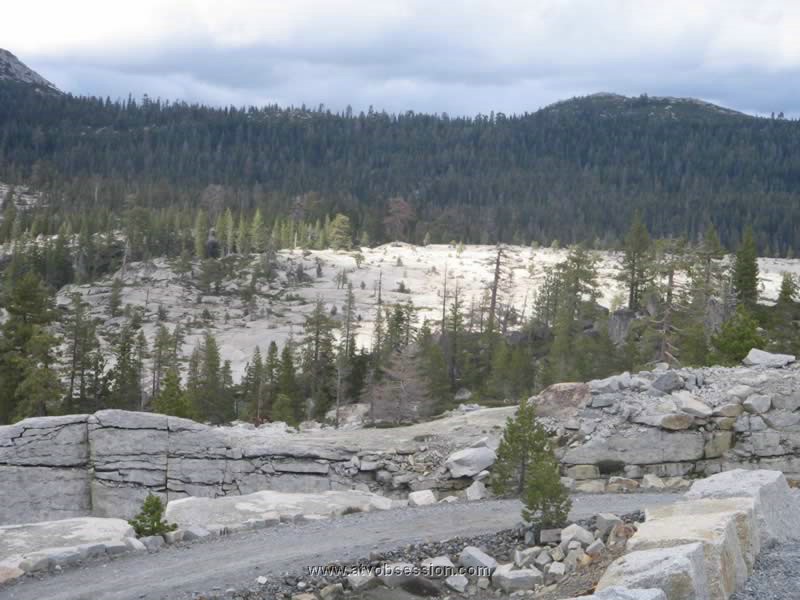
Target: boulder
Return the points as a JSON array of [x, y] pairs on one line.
[[583, 472], [421, 498], [576, 532], [470, 461], [759, 358], [152, 542], [691, 405], [195, 533], [605, 522], [611, 385], [718, 532], [510, 580], [555, 572], [732, 409], [595, 486], [651, 481], [776, 508], [476, 491], [437, 567], [668, 382], [477, 558], [639, 448], [457, 583], [596, 548], [758, 403], [621, 484], [562, 401], [621, 593]]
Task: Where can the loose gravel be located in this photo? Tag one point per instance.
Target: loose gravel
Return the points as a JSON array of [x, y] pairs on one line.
[[776, 575]]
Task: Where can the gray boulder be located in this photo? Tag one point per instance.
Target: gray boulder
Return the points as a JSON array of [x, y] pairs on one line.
[[759, 358], [470, 461], [668, 382]]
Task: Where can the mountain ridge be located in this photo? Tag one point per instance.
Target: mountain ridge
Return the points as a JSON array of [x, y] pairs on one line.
[[13, 69]]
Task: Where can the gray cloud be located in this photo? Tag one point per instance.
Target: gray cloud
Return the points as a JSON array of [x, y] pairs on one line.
[[455, 57]]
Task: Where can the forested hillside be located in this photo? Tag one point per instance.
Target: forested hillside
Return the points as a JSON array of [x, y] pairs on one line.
[[574, 172]]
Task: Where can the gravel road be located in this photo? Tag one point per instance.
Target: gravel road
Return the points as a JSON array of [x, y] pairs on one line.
[[233, 562], [776, 575]]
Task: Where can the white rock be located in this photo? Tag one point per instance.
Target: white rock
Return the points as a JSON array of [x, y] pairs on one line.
[[619, 593], [438, 566], [195, 533], [758, 403], [679, 571], [261, 580], [360, 582], [759, 358], [596, 548], [719, 533], [421, 498], [688, 403], [470, 461], [457, 583], [605, 522], [475, 557], [522, 579], [776, 509], [476, 491], [576, 532], [136, 545], [153, 542], [555, 571], [652, 482]]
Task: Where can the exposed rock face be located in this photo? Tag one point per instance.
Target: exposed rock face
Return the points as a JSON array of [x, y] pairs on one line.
[[106, 463], [673, 423], [562, 400]]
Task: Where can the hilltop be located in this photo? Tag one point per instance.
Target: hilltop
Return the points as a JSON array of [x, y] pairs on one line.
[[14, 70]]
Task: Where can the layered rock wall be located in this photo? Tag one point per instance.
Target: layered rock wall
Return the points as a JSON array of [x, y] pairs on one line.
[[106, 463], [679, 423]]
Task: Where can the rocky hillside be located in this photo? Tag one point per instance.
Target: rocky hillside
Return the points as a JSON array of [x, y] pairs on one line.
[[13, 69], [279, 308]]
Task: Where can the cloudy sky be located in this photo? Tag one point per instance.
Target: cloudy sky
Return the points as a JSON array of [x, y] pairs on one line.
[[459, 57]]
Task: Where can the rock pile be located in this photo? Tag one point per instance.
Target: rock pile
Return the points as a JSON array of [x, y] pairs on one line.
[[646, 429], [705, 547]]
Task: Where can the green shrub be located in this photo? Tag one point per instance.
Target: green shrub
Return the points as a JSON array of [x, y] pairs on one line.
[[150, 520]]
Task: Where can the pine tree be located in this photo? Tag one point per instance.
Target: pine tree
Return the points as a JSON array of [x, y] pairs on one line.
[[340, 235], [288, 402], [736, 338], [243, 245], [23, 343], [526, 466], [745, 270], [319, 359], [636, 261], [171, 400], [200, 234], [125, 392], [115, 299], [150, 520], [258, 233], [81, 341]]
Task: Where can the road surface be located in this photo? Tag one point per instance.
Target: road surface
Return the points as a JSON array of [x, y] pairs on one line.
[[235, 561]]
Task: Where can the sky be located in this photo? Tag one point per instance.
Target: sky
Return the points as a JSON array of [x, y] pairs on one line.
[[437, 56]]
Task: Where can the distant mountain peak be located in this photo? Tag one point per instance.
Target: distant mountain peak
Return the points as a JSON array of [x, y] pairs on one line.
[[607, 104], [13, 69]]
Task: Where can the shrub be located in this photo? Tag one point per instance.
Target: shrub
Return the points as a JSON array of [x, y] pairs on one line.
[[150, 520], [527, 467]]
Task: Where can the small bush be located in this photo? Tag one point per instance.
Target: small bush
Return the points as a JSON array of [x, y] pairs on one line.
[[150, 520]]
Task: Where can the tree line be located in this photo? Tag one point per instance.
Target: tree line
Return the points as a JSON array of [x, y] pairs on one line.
[[574, 173]]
